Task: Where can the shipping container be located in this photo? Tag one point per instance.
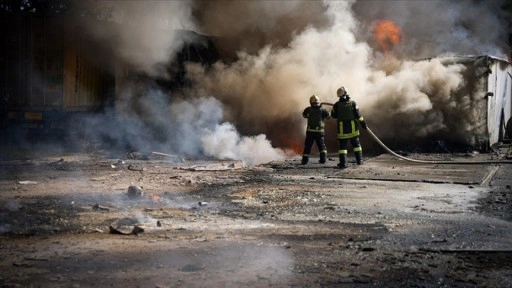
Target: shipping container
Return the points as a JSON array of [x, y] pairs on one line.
[[485, 99], [45, 74]]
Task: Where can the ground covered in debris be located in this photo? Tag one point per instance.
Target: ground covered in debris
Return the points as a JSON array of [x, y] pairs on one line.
[[83, 220]]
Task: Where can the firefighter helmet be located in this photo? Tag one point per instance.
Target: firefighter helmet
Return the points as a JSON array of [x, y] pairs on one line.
[[341, 91], [314, 99]]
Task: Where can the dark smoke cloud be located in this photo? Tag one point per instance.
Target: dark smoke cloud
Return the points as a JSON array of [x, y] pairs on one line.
[[435, 27], [251, 25]]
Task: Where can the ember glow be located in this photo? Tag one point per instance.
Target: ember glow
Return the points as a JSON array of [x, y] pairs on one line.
[[387, 34]]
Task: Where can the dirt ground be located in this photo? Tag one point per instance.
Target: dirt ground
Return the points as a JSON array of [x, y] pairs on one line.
[[98, 220]]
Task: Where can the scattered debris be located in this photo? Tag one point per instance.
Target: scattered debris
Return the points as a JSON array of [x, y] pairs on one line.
[[200, 239], [18, 264], [61, 165], [34, 259], [174, 158], [134, 167], [367, 249], [442, 240], [97, 207], [137, 156], [135, 192], [218, 166], [60, 161], [135, 231], [27, 182], [118, 164], [126, 226]]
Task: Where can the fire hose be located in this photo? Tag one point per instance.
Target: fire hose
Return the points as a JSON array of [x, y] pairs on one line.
[[425, 161]]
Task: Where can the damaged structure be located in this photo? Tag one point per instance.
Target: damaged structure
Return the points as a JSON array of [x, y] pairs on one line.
[[50, 77], [46, 76], [486, 98], [49, 80]]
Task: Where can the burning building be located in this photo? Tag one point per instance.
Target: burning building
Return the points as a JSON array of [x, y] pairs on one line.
[[485, 98], [245, 103]]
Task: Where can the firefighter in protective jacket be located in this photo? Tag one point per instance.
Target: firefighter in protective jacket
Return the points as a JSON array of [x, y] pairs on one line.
[[349, 118], [316, 116]]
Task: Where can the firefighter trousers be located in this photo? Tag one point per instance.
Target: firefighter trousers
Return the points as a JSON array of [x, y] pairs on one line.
[[311, 138]]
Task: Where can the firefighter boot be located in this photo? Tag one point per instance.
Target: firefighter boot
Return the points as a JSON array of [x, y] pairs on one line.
[[322, 157], [343, 162], [359, 157], [304, 160]]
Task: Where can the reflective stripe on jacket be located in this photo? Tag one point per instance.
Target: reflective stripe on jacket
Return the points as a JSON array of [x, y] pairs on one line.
[[347, 112]]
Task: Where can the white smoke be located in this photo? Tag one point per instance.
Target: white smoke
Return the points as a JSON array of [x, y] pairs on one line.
[[200, 123], [192, 128], [224, 142]]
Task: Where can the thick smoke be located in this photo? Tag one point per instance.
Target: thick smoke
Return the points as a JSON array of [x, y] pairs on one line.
[[146, 37], [276, 54], [263, 89], [335, 46], [436, 27], [191, 128], [143, 34]]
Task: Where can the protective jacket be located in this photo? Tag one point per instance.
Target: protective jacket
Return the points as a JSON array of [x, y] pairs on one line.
[[316, 116], [347, 114]]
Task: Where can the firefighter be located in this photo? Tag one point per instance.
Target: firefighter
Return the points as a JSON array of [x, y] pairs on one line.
[[349, 118], [316, 116]]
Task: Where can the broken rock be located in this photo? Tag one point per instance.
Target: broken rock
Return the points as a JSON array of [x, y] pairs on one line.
[[120, 230], [135, 192]]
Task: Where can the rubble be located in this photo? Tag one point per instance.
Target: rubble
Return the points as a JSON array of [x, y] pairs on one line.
[[173, 158], [27, 182], [386, 223], [134, 192], [119, 230]]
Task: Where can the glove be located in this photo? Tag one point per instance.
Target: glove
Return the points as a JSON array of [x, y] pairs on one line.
[[363, 124]]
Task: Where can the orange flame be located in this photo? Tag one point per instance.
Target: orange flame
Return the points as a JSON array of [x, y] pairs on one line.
[[297, 148], [387, 34], [293, 147]]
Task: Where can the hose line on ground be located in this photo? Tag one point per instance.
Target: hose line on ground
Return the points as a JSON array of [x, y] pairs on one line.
[[433, 161], [427, 161]]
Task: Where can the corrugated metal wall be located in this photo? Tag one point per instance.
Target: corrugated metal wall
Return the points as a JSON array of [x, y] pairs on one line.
[[485, 100], [16, 60], [84, 85], [42, 69], [499, 106], [46, 71]]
